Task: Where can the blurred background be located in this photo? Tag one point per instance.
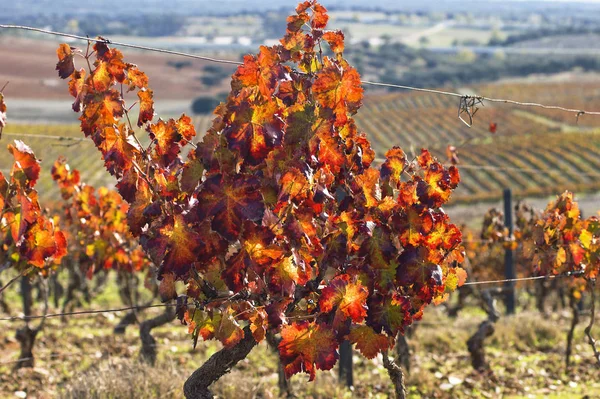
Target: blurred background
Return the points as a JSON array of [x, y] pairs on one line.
[[546, 52], [541, 51]]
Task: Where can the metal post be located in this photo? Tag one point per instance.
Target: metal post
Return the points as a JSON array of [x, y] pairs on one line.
[[509, 259]]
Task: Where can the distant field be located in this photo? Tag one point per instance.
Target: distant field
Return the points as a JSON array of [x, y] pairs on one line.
[[535, 152], [81, 154], [29, 67]]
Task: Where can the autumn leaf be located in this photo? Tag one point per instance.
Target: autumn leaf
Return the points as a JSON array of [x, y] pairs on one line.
[[101, 110], [220, 326], [348, 295], [335, 39], [255, 130], [191, 176], [26, 168], [319, 17], [338, 88], [260, 72], [65, 65], [388, 313], [2, 113], [307, 347], [294, 184], [166, 138], [166, 288], [38, 243], [186, 129], [368, 342], [136, 78], [256, 254], [395, 163], [328, 150], [119, 148], [414, 227], [78, 88], [437, 184], [114, 63], [146, 106], [230, 201], [369, 182], [178, 245], [286, 274]]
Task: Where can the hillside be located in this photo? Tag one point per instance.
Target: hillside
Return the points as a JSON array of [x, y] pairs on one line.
[[535, 152]]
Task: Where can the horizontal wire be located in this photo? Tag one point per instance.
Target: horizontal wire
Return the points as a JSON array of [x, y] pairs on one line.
[[514, 280], [578, 112], [135, 46], [517, 169], [46, 136], [15, 318], [431, 91]]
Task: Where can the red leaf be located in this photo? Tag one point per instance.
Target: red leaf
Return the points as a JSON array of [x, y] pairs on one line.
[[255, 130], [259, 72], [2, 113], [167, 139], [65, 65], [230, 201], [335, 40], [307, 346], [179, 245], [146, 106], [186, 129], [26, 168], [348, 295], [368, 342], [338, 88], [394, 165]]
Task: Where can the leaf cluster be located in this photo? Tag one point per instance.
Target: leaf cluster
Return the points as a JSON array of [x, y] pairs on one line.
[[31, 242], [277, 219], [95, 222]]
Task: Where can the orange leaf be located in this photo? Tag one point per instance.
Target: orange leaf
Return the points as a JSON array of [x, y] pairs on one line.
[[335, 40], [307, 346], [368, 342], [65, 65], [230, 201], [338, 88], [26, 168], [348, 295], [146, 106]]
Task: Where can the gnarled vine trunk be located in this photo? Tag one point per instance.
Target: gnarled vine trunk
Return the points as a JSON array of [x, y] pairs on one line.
[[403, 350], [219, 364], [26, 335], [148, 351], [285, 388], [475, 344], [396, 375], [574, 321]]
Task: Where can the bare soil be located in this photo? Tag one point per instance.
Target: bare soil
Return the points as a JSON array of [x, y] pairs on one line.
[[28, 65]]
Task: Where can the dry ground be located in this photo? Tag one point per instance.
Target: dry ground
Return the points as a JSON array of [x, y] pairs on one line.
[[82, 358], [29, 64]]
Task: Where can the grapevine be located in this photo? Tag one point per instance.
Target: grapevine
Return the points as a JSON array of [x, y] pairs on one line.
[[31, 243], [277, 221]]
